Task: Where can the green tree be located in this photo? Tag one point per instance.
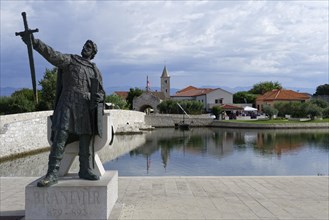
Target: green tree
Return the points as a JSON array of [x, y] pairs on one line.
[[191, 107], [263, 87], [117, 101], [244, 97], [270, 111], [168, 107], [282, 107], [325, 113], [5, 105], [293, 109], [21, 101], [313, 111], [171, 107], [26, 93], [299, 110], [133, 92], [319, 102], [48, 89], [322, 90], [217, 110]]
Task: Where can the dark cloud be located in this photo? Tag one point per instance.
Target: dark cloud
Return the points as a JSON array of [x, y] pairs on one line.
[[231, 43]]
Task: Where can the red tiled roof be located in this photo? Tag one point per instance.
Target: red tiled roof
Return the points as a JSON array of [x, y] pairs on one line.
[[231, 107], [191, 91], [187, 89], [282, 94], [122, 94]]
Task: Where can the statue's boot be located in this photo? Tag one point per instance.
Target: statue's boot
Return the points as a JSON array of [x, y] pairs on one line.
[[85, 152], [51, 177], [55, 157]]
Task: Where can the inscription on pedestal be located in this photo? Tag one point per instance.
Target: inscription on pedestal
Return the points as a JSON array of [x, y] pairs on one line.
[[78, 197], [73, 199], [76, 202]]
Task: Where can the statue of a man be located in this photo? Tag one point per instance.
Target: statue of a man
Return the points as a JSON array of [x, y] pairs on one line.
[[74, 107]]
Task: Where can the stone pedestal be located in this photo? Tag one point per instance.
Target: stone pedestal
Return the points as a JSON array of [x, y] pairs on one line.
[[72, 198]]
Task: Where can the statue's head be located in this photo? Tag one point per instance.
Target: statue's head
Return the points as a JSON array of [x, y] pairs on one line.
[[89, 50]]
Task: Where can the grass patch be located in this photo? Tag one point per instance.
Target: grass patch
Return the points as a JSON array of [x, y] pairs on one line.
[[277, 121]]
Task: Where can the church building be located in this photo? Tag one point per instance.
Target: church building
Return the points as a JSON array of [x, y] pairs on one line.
[[149, 100], [165, 83], [209, 97]]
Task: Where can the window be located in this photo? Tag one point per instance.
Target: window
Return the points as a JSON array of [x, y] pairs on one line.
[[219, 101]]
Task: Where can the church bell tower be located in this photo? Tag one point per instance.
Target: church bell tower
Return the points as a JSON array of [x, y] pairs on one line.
[[165, 83]]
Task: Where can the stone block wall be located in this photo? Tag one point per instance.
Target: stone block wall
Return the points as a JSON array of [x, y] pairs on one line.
[[27, 132], [125, 118], [21, 133], [169, 120]]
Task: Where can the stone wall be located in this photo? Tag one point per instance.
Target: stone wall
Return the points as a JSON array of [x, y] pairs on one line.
[[27, 132], [127, 121], [169, 120], [20, 133]]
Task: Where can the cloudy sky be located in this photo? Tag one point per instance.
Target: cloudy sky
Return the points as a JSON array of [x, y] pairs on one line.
[[202, 43]]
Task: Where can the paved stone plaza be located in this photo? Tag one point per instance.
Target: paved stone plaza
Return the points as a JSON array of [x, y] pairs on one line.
[[201, 197]]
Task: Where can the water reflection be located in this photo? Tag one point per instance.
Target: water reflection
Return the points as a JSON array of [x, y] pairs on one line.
[[36, 165], [203, 151], [227, 152]]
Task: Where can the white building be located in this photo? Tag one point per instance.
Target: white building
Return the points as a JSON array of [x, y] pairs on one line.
[[209, 97]]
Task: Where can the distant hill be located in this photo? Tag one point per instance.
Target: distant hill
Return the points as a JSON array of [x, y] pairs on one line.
[[246, 88], [110, 90]]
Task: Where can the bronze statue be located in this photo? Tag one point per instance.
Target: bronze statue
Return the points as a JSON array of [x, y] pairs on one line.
[[76, 106]]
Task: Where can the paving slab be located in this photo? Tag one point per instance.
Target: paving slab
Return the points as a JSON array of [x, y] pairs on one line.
[[207, 197]]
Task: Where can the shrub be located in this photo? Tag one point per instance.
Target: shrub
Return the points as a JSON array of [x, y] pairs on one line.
[[117, 101], [270, 111], [216, 110], [171, 107], [313, 111], [319, 102], [325, 113]]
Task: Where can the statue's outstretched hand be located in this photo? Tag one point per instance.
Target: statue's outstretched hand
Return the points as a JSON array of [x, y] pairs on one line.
[[27, 38]]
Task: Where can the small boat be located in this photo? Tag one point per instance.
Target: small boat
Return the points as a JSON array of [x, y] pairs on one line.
[[182, 124]]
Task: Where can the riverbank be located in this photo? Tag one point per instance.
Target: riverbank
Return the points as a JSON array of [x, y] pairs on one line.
[[270, 124], [26, 133]]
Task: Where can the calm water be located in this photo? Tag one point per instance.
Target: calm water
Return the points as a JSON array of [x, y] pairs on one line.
[[202, 152], [226, 152]]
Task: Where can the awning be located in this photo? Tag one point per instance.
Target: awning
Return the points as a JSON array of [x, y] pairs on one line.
[[248, 108]]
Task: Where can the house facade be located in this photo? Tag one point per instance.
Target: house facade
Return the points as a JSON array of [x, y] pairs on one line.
[[207, 96], [280, 95]]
